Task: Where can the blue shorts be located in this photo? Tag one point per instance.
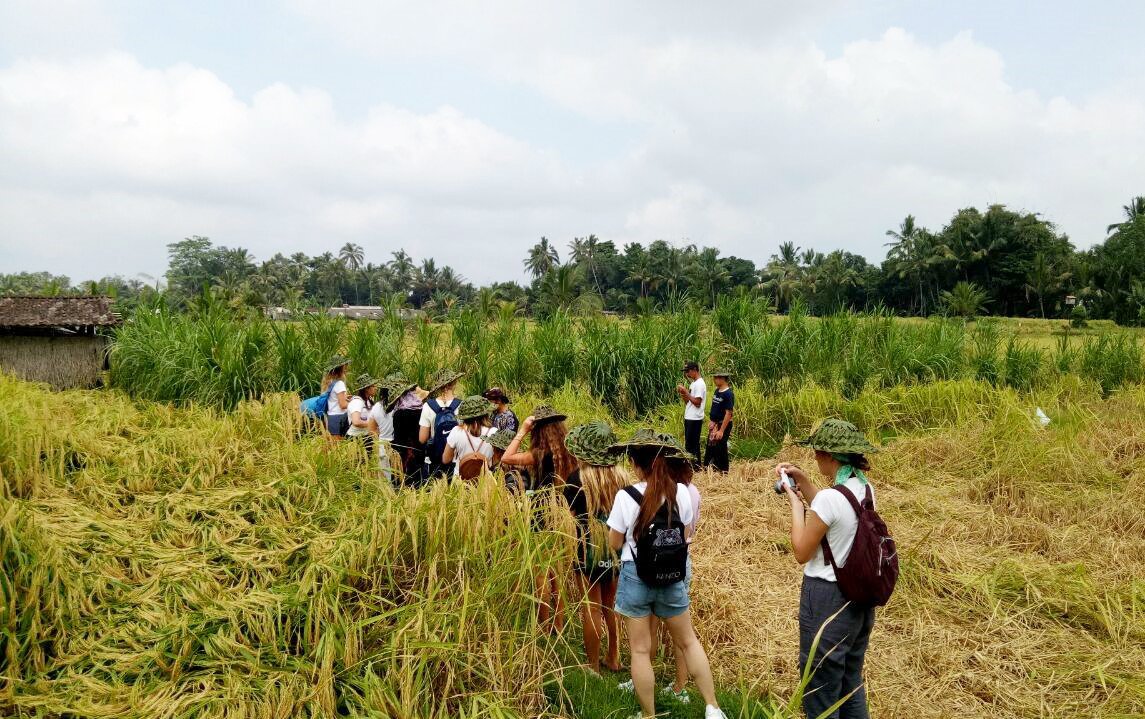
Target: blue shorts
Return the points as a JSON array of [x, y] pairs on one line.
[[337, 424], [636, 600]]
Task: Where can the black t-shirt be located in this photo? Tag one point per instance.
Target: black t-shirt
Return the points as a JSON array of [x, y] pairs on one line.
[[574, 494], [722, 401]]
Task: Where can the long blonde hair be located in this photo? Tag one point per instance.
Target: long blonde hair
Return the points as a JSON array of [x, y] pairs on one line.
[[338, 373], [600, 485]]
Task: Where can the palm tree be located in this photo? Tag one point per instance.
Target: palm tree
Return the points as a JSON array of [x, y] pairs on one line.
[[674, 268], [585, 251], [542, 258], [911, 255], [1135, 209], [352, 256], [1044, 279], [560, 288], [709, 274], [402, 266], [641, 274], [782, 274], [964, 300]]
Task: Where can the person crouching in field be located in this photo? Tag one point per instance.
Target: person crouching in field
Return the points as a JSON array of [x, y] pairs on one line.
[[837, 666], [337, 422], [589, 490], [467, 447], [694, 396], [649, 526], [358, 410], [720, 422], [549, 463]]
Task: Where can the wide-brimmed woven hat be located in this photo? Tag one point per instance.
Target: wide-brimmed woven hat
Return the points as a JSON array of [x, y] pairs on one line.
[[396, 384], [649, 439], [500, 439], [335, 362], [725, 373], [838, 436], [590, 443], [443, 378], [543, 414], [363, 381], [474, 407]]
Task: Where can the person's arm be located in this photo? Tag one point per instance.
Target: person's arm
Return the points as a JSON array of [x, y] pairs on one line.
[[343, 400], [513, 456], [447, 454], [615, 539], [424, 428], [806, 487], [724, 425], [372, 426], [807, 529], [356, 419]]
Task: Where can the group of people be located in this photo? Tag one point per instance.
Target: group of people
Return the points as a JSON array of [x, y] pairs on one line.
[[636, 508]]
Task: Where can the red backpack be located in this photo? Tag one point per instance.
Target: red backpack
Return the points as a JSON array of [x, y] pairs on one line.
[[872, 567]]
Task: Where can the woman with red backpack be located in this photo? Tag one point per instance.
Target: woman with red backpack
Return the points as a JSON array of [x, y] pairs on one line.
[[649, 526], [849, 567]]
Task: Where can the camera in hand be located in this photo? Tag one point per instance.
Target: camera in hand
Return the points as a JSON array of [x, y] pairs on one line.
[[784, 482]]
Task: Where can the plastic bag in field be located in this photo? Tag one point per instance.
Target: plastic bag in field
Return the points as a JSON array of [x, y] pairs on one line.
[[1043, 420]]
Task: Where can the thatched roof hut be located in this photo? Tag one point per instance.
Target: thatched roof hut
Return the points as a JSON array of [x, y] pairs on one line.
[[59, 340]]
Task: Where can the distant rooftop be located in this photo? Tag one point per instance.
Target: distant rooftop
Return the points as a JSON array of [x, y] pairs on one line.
[[57, 312]]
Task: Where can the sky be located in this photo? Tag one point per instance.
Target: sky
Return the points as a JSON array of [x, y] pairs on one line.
[[466, 131]]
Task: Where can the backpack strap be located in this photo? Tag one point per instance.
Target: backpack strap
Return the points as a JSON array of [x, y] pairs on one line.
[[435, 406], [634, 493], [858, 512], [454, 405]]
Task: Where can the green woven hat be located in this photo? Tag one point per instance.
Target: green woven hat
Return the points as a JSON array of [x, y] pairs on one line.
[[396, 385], [725, 373], [363, 381], [335, 362], [500, 439], [838, 436], [443, 378], [543, 414], [474, 407], [590, 443], [644, 439]]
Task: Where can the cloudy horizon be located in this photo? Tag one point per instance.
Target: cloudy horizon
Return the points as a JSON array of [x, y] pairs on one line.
[[465, 133]]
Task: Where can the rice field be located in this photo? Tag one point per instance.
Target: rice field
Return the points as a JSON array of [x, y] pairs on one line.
[[180, 560]]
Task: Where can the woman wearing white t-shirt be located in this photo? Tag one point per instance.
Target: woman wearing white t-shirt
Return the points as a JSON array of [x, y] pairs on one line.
[[358, 410], [840, 453], [471, 436], [337, 422], [651, 454], [381, 421]]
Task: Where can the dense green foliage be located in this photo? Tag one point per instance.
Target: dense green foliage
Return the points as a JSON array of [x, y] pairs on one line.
[[1000, 262]]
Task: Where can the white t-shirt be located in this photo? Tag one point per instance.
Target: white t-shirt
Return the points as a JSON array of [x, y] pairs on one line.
[[625, 510], [332, 406], [465, 444], [839, 516], [428, 416], [694, 495], [356, 408], [698, 389], [385, 421]]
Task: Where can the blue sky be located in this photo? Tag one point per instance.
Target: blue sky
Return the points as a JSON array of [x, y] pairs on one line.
[[465, 132]]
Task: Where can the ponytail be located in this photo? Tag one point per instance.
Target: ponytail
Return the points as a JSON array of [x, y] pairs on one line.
[[654, 469]]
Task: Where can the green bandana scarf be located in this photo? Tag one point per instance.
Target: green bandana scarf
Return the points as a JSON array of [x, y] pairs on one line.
[[847, 471]]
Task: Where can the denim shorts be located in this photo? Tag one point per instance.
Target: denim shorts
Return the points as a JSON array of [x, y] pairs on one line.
[[636, 600], [337, 424]]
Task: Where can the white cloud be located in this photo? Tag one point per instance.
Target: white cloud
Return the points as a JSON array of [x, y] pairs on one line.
[[748, 136]]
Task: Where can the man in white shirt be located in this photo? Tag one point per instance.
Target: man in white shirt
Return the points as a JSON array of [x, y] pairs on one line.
[[694, 397]]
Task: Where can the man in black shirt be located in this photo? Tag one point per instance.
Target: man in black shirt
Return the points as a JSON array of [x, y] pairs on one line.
[[720, 422]]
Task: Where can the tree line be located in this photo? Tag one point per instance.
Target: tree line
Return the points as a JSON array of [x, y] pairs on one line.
[[998, 261]]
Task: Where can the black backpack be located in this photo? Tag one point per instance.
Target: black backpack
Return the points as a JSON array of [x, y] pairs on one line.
[[661, 549], [872, 567], [445, 419]]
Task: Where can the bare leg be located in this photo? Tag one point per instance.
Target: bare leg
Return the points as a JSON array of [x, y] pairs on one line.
[[697, 660], [607, 600], [681, 669], [590, 620], [544, 611], [643, 680]]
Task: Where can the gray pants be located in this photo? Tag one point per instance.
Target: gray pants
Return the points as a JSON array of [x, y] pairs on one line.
[[837, 667]]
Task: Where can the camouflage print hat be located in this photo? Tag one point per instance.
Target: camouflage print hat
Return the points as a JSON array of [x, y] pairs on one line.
[[335, 362], [838, 436], [500, 439], [474, 407], [396, 385], [543, 414], [442, 378], [725, 373], [590, 442], [664, 444], [363, 381]]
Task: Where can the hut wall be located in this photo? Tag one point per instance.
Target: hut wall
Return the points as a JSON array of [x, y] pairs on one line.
[[63, 362]]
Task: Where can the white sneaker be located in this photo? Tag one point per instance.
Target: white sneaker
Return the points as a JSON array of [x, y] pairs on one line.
[[627, 686], [711, 712], [680, 696]]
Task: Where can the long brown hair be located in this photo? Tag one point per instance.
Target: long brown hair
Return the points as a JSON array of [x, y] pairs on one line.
[[600, 485], [548, 440], [338, 373], [654, 469]]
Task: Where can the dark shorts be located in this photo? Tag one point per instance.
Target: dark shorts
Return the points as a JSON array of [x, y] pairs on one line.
[[337, 424]]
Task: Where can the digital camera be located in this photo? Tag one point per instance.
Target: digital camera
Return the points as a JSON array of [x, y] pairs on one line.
[[784, 482]]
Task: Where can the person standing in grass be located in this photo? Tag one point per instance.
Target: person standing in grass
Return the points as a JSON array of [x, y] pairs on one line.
[[589, 490], [649, 526], [381, 423], [504, 419], [337, 421], [694, 396], [720, 422], [438, 418], [407, 417], [549, 463], [515, 478], [358, 410], [470, 439], [837, 667]]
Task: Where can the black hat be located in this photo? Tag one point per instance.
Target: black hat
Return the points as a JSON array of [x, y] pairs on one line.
[[496, 394], [689, 366]]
